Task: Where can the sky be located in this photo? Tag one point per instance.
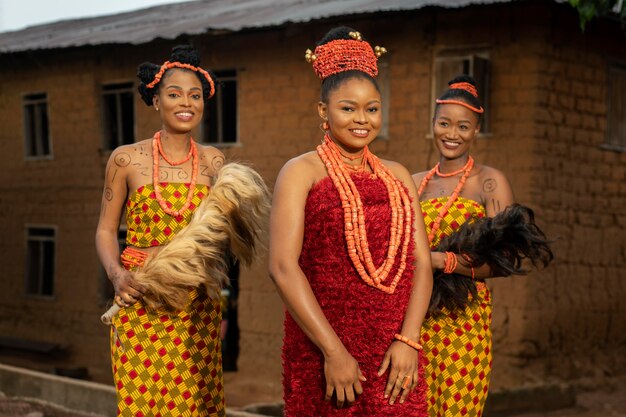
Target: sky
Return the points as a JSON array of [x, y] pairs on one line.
[[18, 14]]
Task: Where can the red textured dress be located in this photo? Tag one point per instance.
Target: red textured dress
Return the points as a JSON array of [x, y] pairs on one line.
[[364, 318]]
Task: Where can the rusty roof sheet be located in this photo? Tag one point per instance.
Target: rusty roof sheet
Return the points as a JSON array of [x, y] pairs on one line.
[[196, 17]]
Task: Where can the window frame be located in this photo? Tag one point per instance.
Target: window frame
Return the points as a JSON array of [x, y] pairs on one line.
[[471, 54], [28, 238], [223, 76], [116, 89], [31, 99], [608, 144]]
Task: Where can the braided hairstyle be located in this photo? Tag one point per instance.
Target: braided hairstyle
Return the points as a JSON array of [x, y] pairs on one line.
[[461, 95], [185, 54], [332, 82]]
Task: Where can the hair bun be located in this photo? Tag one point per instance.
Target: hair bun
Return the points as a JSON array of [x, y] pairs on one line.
[[340, 32], [185, 54], [463, 79], [146, 71]]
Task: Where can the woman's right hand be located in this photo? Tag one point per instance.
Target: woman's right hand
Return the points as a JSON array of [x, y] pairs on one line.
[[343, 377], [341, 371], [127, 290]]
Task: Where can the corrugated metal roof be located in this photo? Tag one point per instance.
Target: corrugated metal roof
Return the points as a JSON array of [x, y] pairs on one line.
[[195, 17]]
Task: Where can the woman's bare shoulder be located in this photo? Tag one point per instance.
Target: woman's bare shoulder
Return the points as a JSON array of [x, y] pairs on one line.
[[126, 155]]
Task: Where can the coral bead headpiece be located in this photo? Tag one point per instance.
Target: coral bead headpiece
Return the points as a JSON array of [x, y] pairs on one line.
[[168, 65], [470, 89], [465, 86], [345, 55]]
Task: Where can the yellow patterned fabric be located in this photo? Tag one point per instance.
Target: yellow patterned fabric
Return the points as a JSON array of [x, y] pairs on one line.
[[166, 363], [461, 211], [169, 364], [147, 224], [457, 345]]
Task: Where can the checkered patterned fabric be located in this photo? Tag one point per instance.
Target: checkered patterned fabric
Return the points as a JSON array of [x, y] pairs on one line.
[[168, 364], [147, 223], [457, 345], [461, 211]]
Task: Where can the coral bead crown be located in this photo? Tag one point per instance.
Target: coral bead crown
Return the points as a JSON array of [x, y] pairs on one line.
[[345, 55]]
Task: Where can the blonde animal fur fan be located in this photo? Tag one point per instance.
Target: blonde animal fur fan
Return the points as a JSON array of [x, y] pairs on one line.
[[229, 222]]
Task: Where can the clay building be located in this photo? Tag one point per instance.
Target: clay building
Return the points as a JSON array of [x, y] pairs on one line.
[[555, 124]]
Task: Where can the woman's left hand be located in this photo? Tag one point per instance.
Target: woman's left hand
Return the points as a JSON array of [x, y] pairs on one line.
[[401, 360]]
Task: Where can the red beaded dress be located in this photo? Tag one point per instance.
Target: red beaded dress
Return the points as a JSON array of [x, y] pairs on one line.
[[364, 318]]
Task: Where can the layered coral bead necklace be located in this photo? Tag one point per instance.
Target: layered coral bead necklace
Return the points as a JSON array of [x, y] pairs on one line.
[[157, 149], [467, 168], [354, 216]]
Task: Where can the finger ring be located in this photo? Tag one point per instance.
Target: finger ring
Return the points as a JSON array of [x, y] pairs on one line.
[[407, 382]]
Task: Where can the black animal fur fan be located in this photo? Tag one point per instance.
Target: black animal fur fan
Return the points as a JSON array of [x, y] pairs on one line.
[[503, 242]]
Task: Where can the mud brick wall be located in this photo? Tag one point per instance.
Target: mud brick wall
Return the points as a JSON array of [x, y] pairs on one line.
[[548, 111]]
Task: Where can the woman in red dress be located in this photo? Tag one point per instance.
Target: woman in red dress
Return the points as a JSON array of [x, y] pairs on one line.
[[347, 256]]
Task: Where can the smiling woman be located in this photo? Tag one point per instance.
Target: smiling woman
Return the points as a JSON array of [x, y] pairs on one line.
[[166, 349], [457, 191], [344, 251], [456, 197]]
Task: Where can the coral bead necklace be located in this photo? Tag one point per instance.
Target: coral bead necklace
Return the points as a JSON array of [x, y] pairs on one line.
[[453, 173], [158, 150], [354, 217], [182, 161], [455, 194], [360, 167]]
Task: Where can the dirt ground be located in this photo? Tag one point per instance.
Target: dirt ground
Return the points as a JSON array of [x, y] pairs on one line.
[[28, 407], [594, 399], [604, 399]]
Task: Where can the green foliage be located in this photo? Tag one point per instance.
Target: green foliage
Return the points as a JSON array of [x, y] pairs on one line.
[[590, 9]]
